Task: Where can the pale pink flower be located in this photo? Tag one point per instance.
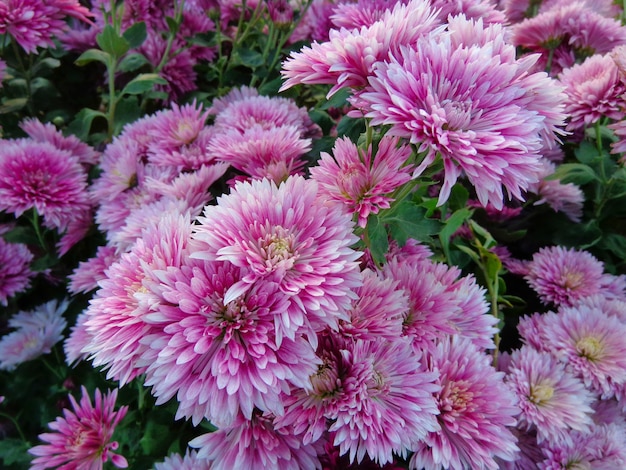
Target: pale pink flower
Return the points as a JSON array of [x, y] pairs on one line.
[[351, 15], [85, 277], [116, 323], [361, 180], [288, 235], [551, 399], [236, 94], [389, 405], [561, 197], [37, 175], [15, 274], [36, 332], [589, 342], [274, 153], [78, 339], [594, 91], [189, 461], [563, 276], [476, 411], [238, 446], [349, 56], [82, 438], [472, 9]]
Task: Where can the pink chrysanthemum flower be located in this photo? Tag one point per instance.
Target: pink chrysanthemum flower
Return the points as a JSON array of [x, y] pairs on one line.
[[349, 57], [389, 405], [15, 272], [351, 15], [189, 461], [36, 332], [266, 112], [569, 30], [86, 276], [428, 95], [589, 342], [566, 198], [476, 411], [116, 322], [82, 437], [236, 94], [253, 444], [551, 400], [222, 359], [378, 311], [594, 91], [362, 181], [563, 276], [41, 132], [288, 235], [431, 303], [274, 153], [40, 176], [481, 9], [604, 448], [34, 23]]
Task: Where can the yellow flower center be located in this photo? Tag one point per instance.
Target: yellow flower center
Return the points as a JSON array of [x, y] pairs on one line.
[[589, 347], [541, 394]]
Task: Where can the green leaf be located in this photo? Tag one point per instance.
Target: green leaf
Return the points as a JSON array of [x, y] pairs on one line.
[[587, 152], [111, 42], [338, 100], [45, 65], [81, 125], [155, 436], [351, 128], [142, 83], [132, 62], [127, 111], [452, 224], [14, 451], [577, 173], [13, 105], [250, 58], [406, 220], [21, 234], [615, 243], [379, 242], [136, 34], [93, 55], [45, 262]]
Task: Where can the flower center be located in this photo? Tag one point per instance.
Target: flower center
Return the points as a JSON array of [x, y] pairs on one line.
[[458, 114], [277, 249], [541, 394], [589, 347], [573, 280], [455, 398]]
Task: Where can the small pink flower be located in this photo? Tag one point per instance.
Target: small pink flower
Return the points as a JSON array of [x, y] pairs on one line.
[[15, 272], [82, 437], [360, 180]]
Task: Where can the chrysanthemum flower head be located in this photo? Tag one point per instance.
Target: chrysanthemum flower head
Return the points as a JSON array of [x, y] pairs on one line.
[[551, 399], [37, 175], [85, 277], [362, 180], [594, 91], [487, 10], [255, 443], [15, 272], [476, 410], [36, 332], [390, 405], [82, 438], [222, 359], [563, 276], [288, 235], [189, 461]]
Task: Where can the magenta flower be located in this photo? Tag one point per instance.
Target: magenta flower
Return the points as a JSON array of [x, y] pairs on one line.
[[222, 359], [288, 235], [362, 181], [563, 276], [15, 272], [388, 404], [36, 332], [492, 134], [486, 10], [594, 90], [476, 410], [34, 23], [40, 176], [552, 401], [86, 276], [82, 437], [255, 443]]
